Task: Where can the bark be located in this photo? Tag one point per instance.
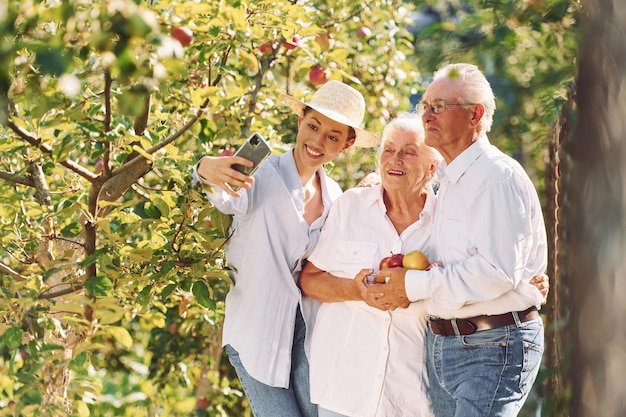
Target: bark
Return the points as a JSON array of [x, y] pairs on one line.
[[594, 226]]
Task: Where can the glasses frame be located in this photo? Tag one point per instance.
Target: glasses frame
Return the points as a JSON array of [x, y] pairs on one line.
[[438, 106]]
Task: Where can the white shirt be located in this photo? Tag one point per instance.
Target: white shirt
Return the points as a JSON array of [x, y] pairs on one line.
[[490, 237], [365, 362], [271, 238]]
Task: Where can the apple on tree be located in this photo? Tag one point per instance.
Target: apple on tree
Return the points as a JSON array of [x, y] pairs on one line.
[[182, 34], [293, 44], [363, 32], [266, 48], [319, 75], [325, 41]]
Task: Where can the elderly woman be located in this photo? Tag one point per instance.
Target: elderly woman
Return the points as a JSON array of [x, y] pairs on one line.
[[367, 361]]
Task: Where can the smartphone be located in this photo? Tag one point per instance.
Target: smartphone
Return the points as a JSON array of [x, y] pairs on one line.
[[255, 149]]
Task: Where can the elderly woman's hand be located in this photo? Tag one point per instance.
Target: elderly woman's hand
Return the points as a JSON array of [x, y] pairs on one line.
[[392, 293], [361, 282]]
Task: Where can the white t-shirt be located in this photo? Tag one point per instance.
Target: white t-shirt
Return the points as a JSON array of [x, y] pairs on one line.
[[364, 361]]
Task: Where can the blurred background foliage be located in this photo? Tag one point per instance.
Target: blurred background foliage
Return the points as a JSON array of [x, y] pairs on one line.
[[111, 271]]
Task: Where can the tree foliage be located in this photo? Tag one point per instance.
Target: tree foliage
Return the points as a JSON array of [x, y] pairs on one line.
[[111, 262]]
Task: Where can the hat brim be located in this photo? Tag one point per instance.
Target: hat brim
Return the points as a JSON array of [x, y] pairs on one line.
[[364, 139]]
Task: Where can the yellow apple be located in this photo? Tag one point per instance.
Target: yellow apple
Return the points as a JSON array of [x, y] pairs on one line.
[[415, 260]]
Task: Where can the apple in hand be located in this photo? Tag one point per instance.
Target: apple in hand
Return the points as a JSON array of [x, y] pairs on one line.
[[393, 261], [415, 259], [182, 34]]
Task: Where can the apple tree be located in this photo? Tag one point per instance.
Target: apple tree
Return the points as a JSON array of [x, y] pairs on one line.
[[111, 262], [112, 275]]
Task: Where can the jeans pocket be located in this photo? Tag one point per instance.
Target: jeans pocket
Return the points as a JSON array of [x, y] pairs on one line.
[[530, 367]]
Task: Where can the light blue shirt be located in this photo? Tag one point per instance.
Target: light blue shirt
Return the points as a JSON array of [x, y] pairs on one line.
[[270, 240]]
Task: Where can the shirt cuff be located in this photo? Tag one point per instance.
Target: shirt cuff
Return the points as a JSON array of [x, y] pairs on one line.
[[416, 285], [196, 178]]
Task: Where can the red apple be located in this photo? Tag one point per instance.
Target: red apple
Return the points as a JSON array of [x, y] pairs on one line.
[[325, 41], [393, 261], [99, 165], [293, 44], [363, 32], [202, 403], [266, 48], [182, 34], [319, 75]]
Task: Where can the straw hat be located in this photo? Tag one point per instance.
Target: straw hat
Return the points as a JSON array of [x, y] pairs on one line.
[[340, 102]]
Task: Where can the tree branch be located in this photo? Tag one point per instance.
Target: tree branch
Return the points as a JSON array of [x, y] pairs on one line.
[[65, 291], [47, 149], [17, 179], [7, 270]]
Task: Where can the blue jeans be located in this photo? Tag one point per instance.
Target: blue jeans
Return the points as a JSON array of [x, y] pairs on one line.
[[485, 374], [268, 401]]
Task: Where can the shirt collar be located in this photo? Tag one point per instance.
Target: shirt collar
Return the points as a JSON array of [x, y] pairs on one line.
[[464, 160], [431, 201], [376, 197], [289, 173]]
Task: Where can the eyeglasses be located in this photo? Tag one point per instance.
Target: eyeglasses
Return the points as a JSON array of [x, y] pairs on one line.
[[437, 106]]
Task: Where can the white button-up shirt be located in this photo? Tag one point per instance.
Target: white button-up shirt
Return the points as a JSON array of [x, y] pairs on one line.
[[490, 237], [363, 361], [270, 240]]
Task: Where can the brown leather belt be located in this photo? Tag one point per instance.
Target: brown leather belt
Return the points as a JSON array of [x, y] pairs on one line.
[[464, 327]]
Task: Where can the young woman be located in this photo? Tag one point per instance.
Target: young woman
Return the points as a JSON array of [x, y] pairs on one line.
[[277, 217]]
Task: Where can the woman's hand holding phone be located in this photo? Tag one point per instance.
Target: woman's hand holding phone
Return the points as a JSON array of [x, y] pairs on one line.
[[233, 172], [218, 171]]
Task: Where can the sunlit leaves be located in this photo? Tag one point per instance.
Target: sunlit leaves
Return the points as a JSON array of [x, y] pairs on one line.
[[159, 258], [99, 286]]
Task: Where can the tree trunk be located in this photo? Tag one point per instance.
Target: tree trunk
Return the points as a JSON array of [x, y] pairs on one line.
[[593, 233]]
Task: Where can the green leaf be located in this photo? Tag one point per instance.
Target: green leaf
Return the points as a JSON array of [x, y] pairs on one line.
[[51, 61], [79, 362], [201, 292], [144, 296], [222, 222], [121, 335], [168, 290], [13, 338], [99, 286], [71, 230]]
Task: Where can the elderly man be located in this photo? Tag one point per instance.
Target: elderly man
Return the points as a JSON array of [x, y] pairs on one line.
[[485, 336]]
